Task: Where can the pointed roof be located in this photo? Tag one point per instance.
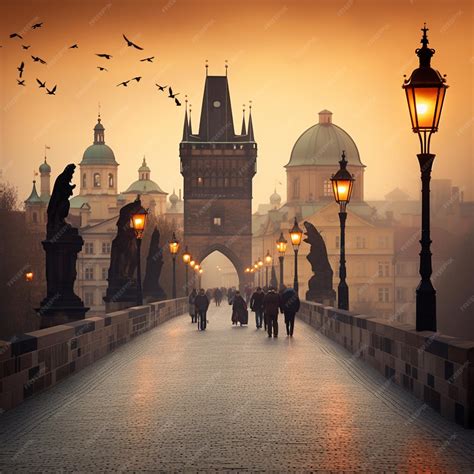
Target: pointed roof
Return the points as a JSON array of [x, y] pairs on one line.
[[44, 167], [250, 130], [144, 166], [186, 125], [33, 198], [244, 129], [216, 124]]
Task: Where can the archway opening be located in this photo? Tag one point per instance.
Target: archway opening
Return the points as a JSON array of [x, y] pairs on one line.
[[218, 272]]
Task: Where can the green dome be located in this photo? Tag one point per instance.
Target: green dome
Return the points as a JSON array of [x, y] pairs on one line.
[[144, 186], [323, 144], [44, 167], [98, 154]]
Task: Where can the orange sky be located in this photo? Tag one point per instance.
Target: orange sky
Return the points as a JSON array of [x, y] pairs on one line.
[[291, 58]]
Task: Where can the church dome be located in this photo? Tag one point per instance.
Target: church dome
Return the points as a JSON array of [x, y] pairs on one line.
[[173, 199], [323, 144], [44, 167], [275, 198], [98, 153], [144, 186]]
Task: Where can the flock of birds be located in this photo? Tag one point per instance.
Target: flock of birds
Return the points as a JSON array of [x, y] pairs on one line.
[[106, 56]]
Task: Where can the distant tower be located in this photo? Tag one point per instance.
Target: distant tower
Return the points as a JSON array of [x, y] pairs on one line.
[[218, 166], [45, 177]]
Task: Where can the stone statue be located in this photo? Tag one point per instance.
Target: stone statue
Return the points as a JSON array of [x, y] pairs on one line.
[[320, 284], [58, 207], [154, 263], [62, 245], [122, 285]]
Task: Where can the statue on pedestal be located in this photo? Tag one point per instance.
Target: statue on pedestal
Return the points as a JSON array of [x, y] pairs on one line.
[[122, 288], [154, 263], [62, 245], [320, 284]]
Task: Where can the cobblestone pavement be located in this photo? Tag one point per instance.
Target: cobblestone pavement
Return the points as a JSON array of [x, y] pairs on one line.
[[229, 398]]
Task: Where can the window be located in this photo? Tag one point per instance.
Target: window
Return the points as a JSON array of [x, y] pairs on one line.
[[401, 294], [327, 188], [111, 180], [384, 295], [384, 269], [338, 241], [360, 242], [89, 248], [217, 221], [106, 247], [296, 188], [383, 241], [84, 180], [105, 273], [89, 273], [88, 298], [96, 180]]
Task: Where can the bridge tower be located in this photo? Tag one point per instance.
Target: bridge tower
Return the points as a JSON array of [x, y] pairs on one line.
[[218, 166]]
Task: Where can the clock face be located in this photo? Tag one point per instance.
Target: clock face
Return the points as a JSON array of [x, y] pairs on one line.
[[216, 104]]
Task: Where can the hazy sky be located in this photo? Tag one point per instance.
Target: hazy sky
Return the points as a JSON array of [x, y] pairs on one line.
[[291, 58]]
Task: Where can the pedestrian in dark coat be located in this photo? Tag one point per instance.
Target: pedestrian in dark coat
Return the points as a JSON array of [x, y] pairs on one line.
[[256, 305], [271, 305], [202, 303], [239, 309], [192, 306], [289, 305]]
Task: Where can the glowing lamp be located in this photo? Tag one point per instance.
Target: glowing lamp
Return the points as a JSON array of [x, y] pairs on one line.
[[29, 276], [281, 244], [342, 183], [296, 235], [138, 222], [268, 258], [173, 245], [260, 262], [186, 256]]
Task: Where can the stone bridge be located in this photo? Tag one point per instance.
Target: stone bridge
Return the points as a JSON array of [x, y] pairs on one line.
[[346, 393]]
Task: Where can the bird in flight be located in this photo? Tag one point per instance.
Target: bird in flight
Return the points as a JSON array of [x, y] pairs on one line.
[[38, 59], [130, 43], [103, 55], [41, 84], [16, 35], [37, 25], [74, 46], [161, 88], [100, 68], [52, 91], [171, 95], [21, 83], [177, 102], [25, 46], [150, 59], [136, 78], [20, 68], [124, 83]]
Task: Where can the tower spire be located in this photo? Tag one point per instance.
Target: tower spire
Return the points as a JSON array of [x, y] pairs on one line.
[[99, 137], [190, 126], [244, 129], [250, 130], [186, 121], [207, 66], [226, 67]]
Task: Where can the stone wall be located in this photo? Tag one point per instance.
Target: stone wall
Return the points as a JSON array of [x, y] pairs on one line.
[[437, 369], [37, 360]]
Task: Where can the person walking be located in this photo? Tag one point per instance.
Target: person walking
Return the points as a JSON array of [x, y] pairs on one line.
[[239, 310], [218, 296], [271, 305], [256, 305], [202, 303], [289, 305], [192, 306]]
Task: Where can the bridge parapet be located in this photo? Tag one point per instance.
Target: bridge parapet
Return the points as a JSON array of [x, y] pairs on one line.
[[37, 360], [437, 369]]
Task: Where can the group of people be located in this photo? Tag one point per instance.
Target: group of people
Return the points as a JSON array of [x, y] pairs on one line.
[[266, 303]]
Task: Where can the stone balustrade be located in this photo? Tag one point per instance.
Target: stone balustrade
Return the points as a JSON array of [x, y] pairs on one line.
[[437, 369], [37, 360]]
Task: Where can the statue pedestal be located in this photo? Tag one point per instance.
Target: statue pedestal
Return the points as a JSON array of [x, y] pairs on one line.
[[120, 294], [61, 304]]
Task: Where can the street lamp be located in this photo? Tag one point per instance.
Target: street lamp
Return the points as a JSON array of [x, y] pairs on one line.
[[425, 90], [260, 276], [268, 262], [186, 259], [296, 235], [281, 247], [29, 276], [174, 248], [197, 269], [137, 223], [342, 184]]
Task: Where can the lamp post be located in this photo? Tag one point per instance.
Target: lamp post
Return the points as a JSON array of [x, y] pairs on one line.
[[197, 267], [186, 259], [260, 275], [174, 248], [281, 247], [138, 222], [268, 262], [342, 183], [296, 234], [425, 90]]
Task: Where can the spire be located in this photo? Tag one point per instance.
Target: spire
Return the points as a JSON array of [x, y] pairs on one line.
[[250, 130], [33, 195], [244, 129], [190, 126], [425, 53], [99, 137], [186, 121]]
